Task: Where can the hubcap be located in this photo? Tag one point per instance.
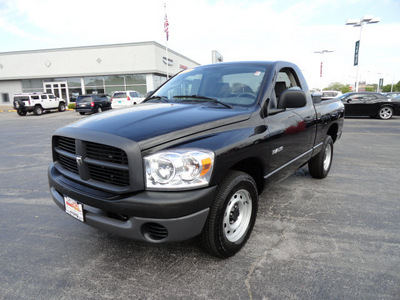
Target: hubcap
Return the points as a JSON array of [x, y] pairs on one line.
[[237, 216], [385, 113], [328, 156]]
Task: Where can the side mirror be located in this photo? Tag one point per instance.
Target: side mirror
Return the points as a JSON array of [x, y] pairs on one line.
[[292, 99], [317, 98]]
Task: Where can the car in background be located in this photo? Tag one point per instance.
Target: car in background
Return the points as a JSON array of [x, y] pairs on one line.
[[326, 95], [37, 103], [370, 104], [122, 99], [391, 94], [93, 103]]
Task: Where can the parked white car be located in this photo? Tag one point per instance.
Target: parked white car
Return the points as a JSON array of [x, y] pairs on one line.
[[122, 99], [326, 95], [37, 103]]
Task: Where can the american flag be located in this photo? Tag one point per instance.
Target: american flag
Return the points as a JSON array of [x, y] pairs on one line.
[[166, 25]]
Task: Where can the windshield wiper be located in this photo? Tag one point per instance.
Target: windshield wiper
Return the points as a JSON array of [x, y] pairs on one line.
[[213, 100], [162, 98]]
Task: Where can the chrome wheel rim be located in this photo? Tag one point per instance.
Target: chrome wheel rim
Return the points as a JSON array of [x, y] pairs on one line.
[[385, 113], [237, 216], [328, 157]]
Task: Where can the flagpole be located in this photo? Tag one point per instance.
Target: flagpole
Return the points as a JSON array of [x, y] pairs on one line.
[[166, 29]]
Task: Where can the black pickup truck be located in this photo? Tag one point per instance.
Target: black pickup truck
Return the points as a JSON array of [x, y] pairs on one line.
[[194, 157]]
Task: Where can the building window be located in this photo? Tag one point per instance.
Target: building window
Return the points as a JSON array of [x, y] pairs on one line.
[[5, 98], [94, 81]]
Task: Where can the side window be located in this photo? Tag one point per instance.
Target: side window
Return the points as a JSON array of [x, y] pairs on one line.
[[35, 97], [369, 97], [285, 80], [52, 96], [43, 97]]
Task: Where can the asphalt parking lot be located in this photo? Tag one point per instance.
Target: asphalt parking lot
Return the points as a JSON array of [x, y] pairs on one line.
[[337, 238]]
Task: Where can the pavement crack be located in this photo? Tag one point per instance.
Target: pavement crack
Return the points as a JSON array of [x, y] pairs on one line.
[[256, 263]]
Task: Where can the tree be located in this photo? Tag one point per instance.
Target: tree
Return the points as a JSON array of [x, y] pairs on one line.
[[337, 86], [334, 86], [346, 89], [388, 88]]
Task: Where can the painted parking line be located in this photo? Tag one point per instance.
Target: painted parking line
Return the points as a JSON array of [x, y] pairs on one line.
[[370, 133]]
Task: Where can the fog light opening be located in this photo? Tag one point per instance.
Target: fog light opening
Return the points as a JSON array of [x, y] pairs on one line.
[[154, 232]]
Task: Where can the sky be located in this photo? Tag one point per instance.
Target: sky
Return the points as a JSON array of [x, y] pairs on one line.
[[240, 30]]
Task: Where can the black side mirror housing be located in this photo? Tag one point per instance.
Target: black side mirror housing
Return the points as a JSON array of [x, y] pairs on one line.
[[292, 99]]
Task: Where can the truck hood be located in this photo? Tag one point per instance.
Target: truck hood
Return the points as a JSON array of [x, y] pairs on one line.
[[156, 123]]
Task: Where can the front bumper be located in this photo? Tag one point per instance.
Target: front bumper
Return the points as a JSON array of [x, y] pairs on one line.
[[148, 216]]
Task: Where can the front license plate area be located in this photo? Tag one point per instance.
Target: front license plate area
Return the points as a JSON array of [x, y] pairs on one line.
[[73, 208]]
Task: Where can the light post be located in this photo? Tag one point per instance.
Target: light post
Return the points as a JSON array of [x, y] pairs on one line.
[[322, 52], [360, 23]]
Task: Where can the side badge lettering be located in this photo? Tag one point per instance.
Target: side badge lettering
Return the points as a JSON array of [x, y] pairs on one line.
[[275, 151]]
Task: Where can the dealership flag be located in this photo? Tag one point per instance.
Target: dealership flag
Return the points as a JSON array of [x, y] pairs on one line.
[[166, 24]]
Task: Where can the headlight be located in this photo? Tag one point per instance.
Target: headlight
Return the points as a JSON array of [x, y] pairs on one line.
[[178, 169]]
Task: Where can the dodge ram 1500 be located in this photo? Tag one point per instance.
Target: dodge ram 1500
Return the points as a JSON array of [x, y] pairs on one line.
[[193, 158]]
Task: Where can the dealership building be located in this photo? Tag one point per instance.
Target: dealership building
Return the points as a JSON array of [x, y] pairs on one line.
[[69, 72]]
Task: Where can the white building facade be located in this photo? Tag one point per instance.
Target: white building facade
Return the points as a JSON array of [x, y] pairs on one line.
[[69, 72]]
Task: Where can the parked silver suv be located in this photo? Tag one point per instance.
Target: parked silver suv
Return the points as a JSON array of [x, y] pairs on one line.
[[37, 103]]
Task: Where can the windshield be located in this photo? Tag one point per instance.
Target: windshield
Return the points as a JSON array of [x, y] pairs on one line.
[[218, 84], [84, 99], [119, 95]]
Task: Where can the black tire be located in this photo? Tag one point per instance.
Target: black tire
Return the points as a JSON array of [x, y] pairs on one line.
[[61, 107], [81, 113], [385, 112], [38, 110], [21, 112], [320, 165], [232, 215]]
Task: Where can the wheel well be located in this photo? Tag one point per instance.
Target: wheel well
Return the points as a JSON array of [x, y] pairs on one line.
[[253, 167], [333, 131]]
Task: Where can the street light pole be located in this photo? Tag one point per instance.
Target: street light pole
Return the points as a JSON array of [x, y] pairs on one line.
[[322, 52], [360, 23]]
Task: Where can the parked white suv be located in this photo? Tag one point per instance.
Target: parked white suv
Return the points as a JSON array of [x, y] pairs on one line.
[[125, 99], [37, 103]]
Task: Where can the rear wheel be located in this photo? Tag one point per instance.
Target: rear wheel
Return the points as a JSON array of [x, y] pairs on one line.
[[385, 113], [232, 215], [21, 113], [82, 113], [38, 110], [320, 165], [99, 110]]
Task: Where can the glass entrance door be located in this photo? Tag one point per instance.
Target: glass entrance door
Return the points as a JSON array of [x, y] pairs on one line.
[[59, 89]]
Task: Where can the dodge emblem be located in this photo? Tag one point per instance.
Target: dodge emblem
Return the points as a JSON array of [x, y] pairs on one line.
[[79, 160]]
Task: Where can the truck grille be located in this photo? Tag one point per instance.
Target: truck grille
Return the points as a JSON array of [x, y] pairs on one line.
[[93, 161]]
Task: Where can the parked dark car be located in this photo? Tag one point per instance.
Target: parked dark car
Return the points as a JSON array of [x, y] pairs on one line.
[[92, 103], [370, 104]]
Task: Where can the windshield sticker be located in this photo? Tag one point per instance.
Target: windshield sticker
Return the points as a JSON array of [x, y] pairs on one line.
[[258, 73]]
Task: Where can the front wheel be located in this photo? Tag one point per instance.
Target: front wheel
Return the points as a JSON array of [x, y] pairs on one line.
[[38, 110], [385, 113], [232, 215], [61, 107], [320, 165]]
